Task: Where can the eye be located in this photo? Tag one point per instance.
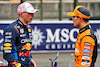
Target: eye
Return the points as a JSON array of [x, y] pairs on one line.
[[73, 16], [29, 13], [77, 16]]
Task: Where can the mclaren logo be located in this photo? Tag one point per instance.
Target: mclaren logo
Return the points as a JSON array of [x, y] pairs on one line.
[[37, 37]]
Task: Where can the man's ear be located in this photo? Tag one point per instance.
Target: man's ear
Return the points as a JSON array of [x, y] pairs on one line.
[[21, 14], [81, 19]]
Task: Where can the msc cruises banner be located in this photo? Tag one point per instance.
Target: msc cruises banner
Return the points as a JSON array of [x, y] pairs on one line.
[[53, 35]]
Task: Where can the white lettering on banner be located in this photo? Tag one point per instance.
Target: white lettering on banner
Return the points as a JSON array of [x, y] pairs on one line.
[[68, 46], [47, 46], [50, 37], [73, 45], [59, 46], [64, 46], [53, 46], [72, 34], [65, 35]]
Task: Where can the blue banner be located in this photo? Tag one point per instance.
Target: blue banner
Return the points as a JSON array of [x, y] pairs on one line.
[[54, 36]]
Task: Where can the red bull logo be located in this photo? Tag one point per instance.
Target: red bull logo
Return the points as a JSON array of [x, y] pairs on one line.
[[28, 46], [27, 53]]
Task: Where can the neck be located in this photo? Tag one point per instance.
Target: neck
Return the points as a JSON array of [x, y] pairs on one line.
[[83, 24], [25, 23]]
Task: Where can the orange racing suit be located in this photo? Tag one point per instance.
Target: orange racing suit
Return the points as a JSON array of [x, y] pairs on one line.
[[85, 48]]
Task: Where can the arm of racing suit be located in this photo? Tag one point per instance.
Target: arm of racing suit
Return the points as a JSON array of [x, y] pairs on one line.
[[33, 64], [87, 46], [9, 48]]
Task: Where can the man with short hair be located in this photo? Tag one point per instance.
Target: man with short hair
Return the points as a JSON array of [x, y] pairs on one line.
[[18, 38], [86, 45]]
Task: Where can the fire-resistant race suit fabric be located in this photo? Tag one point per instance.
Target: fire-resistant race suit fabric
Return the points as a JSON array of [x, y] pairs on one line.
[[17, 44], [86, 48]]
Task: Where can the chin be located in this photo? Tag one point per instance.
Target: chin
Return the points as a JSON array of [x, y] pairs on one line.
[[75, 26], [30, 21]]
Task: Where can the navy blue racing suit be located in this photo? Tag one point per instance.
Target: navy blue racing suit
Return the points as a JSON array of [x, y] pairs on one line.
[[17, 44]]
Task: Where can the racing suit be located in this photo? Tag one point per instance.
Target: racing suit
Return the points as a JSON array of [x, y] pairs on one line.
[[17, 44], [85, 48]]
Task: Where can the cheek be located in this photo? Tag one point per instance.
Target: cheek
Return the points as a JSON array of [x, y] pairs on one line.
[[74, 19], [75, 22], [33, 15]]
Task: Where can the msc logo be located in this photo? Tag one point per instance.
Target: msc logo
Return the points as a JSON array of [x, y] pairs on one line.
[[58, 36], [37, 37]]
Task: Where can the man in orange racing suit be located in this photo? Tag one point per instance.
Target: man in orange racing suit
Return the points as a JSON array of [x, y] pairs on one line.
[[86, 45]]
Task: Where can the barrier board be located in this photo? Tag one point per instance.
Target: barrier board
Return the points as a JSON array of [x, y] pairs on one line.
[[51, 36]]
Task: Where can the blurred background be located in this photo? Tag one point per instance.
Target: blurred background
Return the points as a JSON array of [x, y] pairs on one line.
[[53, 15], [49, 9]]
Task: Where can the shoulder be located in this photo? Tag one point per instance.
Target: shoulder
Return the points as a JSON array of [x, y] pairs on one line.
[[10, 28]]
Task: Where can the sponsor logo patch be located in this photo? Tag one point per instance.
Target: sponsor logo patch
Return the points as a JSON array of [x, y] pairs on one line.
[[89, 44], [7, 51], [7, 48], [85, 60], [30, 33], [8, 33], [86, 51], [86, 57], [86, 54], [22, 35], [29, 30], [7, 44], [87, 47], [7, 40], [8, 36], [18, 26], [26, 40], [21, 30], [85, 63], [23, 59]]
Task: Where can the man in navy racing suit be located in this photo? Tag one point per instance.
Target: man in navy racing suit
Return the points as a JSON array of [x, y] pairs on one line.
[[18, 38]]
